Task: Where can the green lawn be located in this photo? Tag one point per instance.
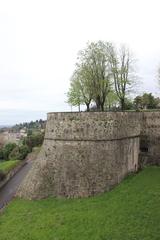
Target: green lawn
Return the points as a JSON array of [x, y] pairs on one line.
[[6, 166], [129, 212]]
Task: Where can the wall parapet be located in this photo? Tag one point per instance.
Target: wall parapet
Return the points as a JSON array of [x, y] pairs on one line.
[[92, 125]]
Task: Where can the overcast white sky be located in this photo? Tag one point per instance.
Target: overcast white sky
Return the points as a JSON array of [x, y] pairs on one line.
[[39, 41]]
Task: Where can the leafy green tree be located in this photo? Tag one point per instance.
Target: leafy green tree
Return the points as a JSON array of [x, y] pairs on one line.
[[23, 151], [81, 87], [111, 100], [129, 104], [121, 64], [1, 153], [14, 155], [146, 101], [29, 132], [85, 85], [149, 101], [74, 94], [33, 140], [19, 152], [95, 60], [92, 77], [8, 148], [138, 102]]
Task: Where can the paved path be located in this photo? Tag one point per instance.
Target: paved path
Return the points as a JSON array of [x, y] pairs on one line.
[[9, 189]]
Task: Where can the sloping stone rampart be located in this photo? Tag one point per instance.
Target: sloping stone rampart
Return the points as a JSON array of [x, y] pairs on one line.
[[84, 154]]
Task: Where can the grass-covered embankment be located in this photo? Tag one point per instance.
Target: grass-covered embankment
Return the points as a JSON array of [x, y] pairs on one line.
[[6, 166], [129, 212]]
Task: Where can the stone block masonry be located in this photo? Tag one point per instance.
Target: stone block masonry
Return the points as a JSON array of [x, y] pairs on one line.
[[85, 154], [150, 139]]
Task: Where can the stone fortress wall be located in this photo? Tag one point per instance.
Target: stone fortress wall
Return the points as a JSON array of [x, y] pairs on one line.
[[150, 139], [85, 154]]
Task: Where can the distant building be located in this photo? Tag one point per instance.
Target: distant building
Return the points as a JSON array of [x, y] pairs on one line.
[[23, 133]]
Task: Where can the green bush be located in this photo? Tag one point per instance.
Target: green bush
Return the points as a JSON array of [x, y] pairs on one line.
[[14, 154], [33, 140], [8, 148], [14, 151], [1, 154], [23, 151], [19, 152]]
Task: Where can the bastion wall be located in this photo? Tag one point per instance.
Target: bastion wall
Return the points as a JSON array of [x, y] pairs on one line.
[[85, 154], [150, 139]]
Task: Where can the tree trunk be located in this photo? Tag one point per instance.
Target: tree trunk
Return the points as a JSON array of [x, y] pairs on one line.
[[122, 104], [98, 103], [79, 108], [102, 107], [88, 109]]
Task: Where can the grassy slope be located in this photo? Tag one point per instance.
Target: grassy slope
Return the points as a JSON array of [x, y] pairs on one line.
[[6, 166], [131, 211]]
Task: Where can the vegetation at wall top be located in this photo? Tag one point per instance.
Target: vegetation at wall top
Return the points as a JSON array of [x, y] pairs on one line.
[[129, 212], [104, 78]]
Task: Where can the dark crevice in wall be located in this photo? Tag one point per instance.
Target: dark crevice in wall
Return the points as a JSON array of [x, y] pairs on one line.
[[91, 140], [144, 144]]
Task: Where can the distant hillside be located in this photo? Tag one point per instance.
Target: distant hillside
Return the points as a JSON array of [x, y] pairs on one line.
[[38, 124], [16, 133], [5, 126]]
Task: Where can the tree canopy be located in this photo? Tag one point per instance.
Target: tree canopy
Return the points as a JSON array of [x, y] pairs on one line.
[[146, 101], [101, 70], [121, 63], [92, 77]]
